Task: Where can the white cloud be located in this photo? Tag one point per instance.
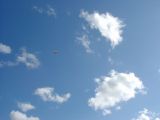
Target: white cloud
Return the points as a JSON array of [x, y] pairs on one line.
[[114, 89], [50, 11], [25, 106], [38, 9], [5, 49], [84, 40], [16, 115], [106, 112], [29, 59], [109, 26], [147, 115], [48, 94], [8, 63]]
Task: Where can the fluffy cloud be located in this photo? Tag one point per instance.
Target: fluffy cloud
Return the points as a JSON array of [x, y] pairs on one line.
[[29, 59], [84, 40], [147, 115], [16, 115], [109, 26], [48, 94], [5, 49], [25, 106], [48, 10], [114, 89]]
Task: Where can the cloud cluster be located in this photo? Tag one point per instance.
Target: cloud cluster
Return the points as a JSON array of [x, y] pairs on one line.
[[5, 49], [109, 26], [84, 40], [29, 59], [17, 115], [48, 94], [111, 90], [147, 115], [25, 106], [50, 11], [114, 89]]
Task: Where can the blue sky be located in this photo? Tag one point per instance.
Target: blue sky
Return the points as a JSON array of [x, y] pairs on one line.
[[114, 42]]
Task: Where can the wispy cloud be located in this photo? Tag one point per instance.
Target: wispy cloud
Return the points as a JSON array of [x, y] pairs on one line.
[[48, 94], [17, 115], [25, 106], [110, 60], [114, 89], [109, 26], [5, 49], [147, 115], [29, 59], [8, 63], [38, 9], [85, 42], [50, 11]]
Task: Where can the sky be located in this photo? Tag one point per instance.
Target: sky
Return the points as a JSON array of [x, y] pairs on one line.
[[79, 60]]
